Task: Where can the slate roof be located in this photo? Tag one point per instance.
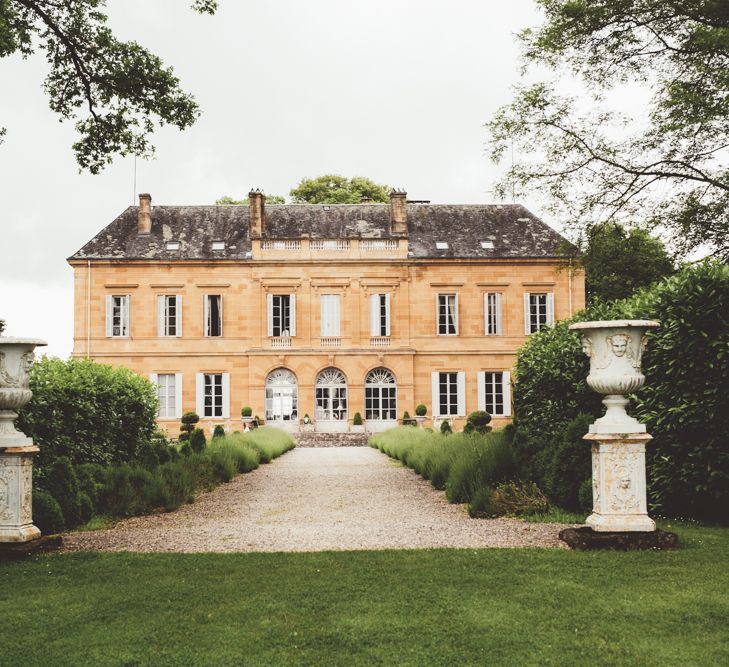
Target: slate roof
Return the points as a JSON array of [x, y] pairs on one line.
[[515, 231]]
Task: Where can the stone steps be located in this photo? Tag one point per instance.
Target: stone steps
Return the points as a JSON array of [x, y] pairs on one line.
[[313, 439]]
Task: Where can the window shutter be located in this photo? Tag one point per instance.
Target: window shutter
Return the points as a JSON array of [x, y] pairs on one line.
[[336, 327], [435, 385], [206, 315], [161, 315], [269, 307], [506, 378], [387, 314], [154, 381], [220, 315], [324, 315], [481, 386], [178, 310], [178, 395], [128, 315], [200, 394], [292, 314], [437, 314], [550, 309], [456, 317], [153, 378], [109, 302], [375, 315], [226, 395], [527, 325], [461, 387], [485, 315], [499, 314]]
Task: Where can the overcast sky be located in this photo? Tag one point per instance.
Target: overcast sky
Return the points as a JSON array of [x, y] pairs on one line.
[[395, 90]]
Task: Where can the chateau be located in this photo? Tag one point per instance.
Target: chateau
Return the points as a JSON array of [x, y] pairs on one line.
[[321, 310]]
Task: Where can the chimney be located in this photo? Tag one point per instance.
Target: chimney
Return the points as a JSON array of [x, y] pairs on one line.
[[398, 212], [144, 219], [257, 213]]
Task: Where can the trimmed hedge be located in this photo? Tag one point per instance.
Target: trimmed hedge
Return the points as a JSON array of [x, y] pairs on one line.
[[685, 403]]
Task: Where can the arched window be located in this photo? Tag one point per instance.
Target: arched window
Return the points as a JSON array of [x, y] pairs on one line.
[[331, 395], [380, 395], [282, 394]]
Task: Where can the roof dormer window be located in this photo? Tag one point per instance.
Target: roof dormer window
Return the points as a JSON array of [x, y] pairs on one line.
[[487, 245], [441, 245], [218, 245], [173, 245]]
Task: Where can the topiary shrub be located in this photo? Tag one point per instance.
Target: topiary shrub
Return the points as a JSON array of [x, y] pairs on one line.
[[218, 431], [185, 449], [198, 440], [89, 412], [421, 410], [47, 513], [445, 427], [570, 464], [247, 411], [479, 421], [189, 419], [61, 482], [357, 421]]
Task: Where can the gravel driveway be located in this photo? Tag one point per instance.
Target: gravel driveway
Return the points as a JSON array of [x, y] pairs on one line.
[[315, 499]]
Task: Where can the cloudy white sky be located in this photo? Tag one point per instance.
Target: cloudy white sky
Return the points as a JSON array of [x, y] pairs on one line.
[[396, 90]]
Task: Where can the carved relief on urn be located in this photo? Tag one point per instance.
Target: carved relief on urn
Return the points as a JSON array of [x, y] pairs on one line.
[[615, 348]]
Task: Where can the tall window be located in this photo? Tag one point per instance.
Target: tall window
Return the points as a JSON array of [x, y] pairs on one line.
[[169, 315], [448, 394], [447, 314], [330, 315], [117, 315], [213, 315], [213, 395], [380, 395], [492, 314], [281, 315], [494, 392], [168, 393], [331, 395], [281, 396], [538, 311], [380, 315]]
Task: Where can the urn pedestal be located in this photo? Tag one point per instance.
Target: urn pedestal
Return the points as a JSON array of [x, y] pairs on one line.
[[16, 449], [618, 440]]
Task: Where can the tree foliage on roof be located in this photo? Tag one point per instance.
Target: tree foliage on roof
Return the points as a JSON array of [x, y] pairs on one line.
[[270, 199], [669, 169], [115, 91], [335, 189]]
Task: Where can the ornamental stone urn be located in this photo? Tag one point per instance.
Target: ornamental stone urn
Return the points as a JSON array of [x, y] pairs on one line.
[[615, 348], [16, 449]]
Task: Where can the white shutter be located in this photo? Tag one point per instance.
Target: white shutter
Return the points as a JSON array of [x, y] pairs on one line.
[[178, 310], [178, 395], [226, 395], [161, 315], [200, 394], [387, 314], [324, 315], [153, 378], [550, 308], [109, 319], [485, 315], [435, 385], [456, 318], [461, 387], [336, 309], [506, 377], [527, 328], [154, 381], [481, 386], [499, 315], [127, 316], [437, 314], [269, 308], [292, 315], [375, 315]]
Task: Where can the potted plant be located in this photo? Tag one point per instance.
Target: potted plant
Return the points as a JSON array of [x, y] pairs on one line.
[[420, 412], [257, 421], [407, 420], [246, 414], [306, 423], [357, 424]]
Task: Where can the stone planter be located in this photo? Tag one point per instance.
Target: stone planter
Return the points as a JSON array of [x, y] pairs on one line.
[[359, 428], [16, 449], [421, 420], [618, 440]]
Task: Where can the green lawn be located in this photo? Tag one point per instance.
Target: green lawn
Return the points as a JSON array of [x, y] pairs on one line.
[[441, 607]]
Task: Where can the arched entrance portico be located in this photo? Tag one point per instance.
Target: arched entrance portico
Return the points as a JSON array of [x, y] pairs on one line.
[[331, 408], [380, 400], [282, 397]]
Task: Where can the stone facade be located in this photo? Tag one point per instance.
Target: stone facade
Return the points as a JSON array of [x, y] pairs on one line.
[[352, 268]]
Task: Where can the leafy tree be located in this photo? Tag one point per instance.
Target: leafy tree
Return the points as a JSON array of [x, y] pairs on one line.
[[668, 168], [333, 189], [112, 89], [618, 261], [270, 199]]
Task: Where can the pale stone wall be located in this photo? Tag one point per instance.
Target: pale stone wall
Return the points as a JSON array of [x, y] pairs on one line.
[[245, 351]]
